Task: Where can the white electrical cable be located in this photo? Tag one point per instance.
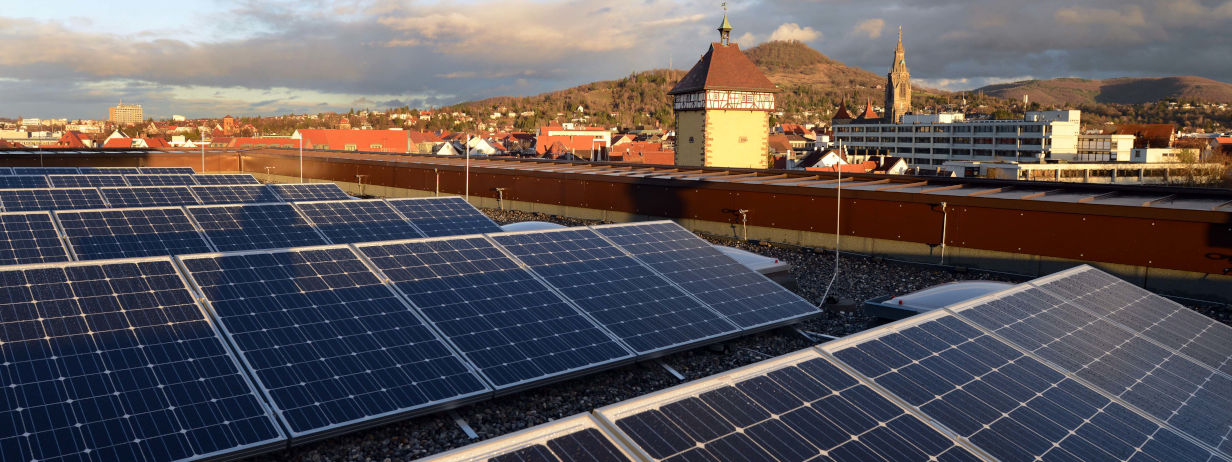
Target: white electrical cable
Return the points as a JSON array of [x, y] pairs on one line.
[[838, 208]]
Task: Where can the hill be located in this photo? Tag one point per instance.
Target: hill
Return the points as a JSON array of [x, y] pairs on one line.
[[1074, 92]]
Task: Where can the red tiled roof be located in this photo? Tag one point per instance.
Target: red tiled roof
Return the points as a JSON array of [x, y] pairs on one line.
[[71, 139], [842, 113], [863, 167], [566, 143], [119, 143], [245, 142], [1148, 135], [779, 143], [1224, 140], [156, 143], [869, 113], [724, 68]]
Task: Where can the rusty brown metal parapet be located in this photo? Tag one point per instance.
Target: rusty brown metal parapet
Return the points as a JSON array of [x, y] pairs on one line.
[[1146, 235]]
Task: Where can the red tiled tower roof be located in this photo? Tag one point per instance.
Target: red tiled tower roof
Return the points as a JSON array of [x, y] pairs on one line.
[[869, 113], [724, 67]]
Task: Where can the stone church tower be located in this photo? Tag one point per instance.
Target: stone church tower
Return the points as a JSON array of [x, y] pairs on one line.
[[898, 85]]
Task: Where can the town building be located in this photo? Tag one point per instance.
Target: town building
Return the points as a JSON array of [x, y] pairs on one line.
[[722, 108], [933, 139], [126, 114]]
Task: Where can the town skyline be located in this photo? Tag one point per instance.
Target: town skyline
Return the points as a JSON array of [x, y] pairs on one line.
[[247, 58]]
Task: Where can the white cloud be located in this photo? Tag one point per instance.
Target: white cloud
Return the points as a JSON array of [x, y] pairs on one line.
[[792, 31], [871, 28]]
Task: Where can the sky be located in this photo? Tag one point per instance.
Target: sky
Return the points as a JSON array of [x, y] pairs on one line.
[[207, 58]]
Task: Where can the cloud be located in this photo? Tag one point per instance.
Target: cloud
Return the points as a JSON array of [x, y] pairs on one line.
[[793, 32], [1080, 16], [870, 28]]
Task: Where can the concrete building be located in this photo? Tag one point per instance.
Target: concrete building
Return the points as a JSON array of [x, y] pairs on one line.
[[934, 139], [1161, 172], [722, 109], [126, 114]]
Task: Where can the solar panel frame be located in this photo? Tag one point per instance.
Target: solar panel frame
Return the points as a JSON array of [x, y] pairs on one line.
[[719, 299], [427, 214], [300, 192], [19, 181], [745, 379], [166, 171], [234, 194], [108, 170], [34, 199], [506, 447], [225, 179], [9, 226], [305, 436], [1026, 366], [276, 441], [86, 181], [149, 196], [43, 171], [82, 246], [374, 261], [331, 219], [160, 180], [264, 226]]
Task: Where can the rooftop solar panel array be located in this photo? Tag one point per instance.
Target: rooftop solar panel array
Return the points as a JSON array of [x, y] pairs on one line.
[[6, 170], [45, 171], [641, 308], [226, 179], [747, 298], [149, 196], [255, 226], [17, 200], [445, 216], [509, 325], [309, 192], [29, 237], [127, 233], [573, 439], [341, 348], [345, 222], [234, 194], [160, 180], [115, 361], [23, 181], [85, 181], [108, 170], [167, 171]]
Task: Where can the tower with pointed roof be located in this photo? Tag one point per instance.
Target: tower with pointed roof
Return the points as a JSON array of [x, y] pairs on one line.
[[898, 85], [723, 108]]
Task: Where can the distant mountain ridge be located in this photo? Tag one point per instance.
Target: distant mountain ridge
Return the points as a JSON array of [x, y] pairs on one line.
[[1128, 90]]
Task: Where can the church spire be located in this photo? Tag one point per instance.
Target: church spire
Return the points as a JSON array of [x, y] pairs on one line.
[[900, 55], [898, 84], [725, 28]]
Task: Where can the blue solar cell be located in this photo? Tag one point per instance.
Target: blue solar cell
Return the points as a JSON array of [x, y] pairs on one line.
[[235, 194], [85, 181], [225, 179], [6, 170], [349, 221], [747, 298], [330, 345], [167, 171], [126, 233], [445, 216], [29, 237], [160, 180], [255, 226], [572, 439], [149, 196], [45, 171], [116, 361], [646, 311], [509, 325], [1007, 403], [23, 181], [108, 170], [310, 192], [17, 200]]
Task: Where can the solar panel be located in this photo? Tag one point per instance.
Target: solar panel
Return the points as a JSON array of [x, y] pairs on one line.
[[45, 171], [126, 233], [23, 181], [149, 196], [29, 237], [794, 407], [445, 216], [508, 324], [19, 200], [310, 192], [235, 194], [747, 298], [108, 170], [1009, 404], [226, 179], [572, 439], [6, 170], [349, 221], [330, 345], [1159, 381], [160, 180], [115, 361], [255, 226], [167, 171], [85, 181], [646, 311]]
